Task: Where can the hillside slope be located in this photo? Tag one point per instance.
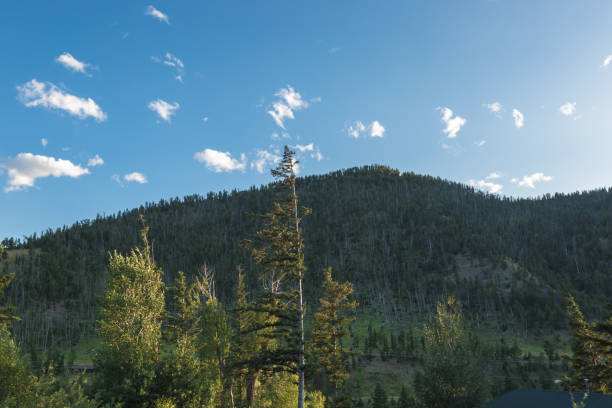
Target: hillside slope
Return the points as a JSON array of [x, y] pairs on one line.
[[402, 239]]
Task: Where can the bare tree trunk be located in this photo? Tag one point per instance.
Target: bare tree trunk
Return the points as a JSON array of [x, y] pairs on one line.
[[301, 361], [252, 379]]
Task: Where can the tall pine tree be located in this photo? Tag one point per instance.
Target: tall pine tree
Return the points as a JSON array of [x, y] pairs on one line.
[[278, 249], [588, 359], [331, 323]]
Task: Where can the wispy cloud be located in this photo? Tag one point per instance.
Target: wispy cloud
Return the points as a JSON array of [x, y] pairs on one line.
[[73, 64], [374, 129], [495, 107], [290, 102], [334, 50], [24, 169], [173, 62], [530, 180], [519, 119], [135, 176], [95, 161], [220, 161], [47, 95], [152, 11], [315, 153], [568, 109], [264, 160], [486, 185], [163, 108], [356, 129], [480, 143], [606, 61], [493, 176], [44, 142], [453, 124]]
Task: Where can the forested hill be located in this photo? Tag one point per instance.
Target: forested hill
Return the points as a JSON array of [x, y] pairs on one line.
[[404, 240]]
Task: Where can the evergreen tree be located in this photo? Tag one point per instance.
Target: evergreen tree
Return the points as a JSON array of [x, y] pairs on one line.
[[7, 313], [603, 341], [406, 400], [15, 377], [130, 328], [453, 372], [379, 398], [331, 328], [587, 359], [244, 345], [279, 250], [181, 376]]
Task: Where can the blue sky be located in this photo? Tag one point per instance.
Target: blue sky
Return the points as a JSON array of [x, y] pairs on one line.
[[106, 106]]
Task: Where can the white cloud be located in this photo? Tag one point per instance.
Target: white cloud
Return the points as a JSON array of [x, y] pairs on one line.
[[24, 169], [480, 143], [606, 62], [486, 185], [95, 161], [152, 11], [49, 96], [292, 98], [568, 109], [135, 176], [453, 124], [495, 107], [65, 149], [529, 181], [493, 176], [284, 109], [519, 119], [356, 129], [376, 129], [205, 119], [315, 152], [73, 64], [264, 159], [44, 142], [173, 62], [163, 108], [280, 112], [220, 161]]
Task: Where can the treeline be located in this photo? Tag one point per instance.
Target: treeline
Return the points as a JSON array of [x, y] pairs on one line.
[[399, 238]]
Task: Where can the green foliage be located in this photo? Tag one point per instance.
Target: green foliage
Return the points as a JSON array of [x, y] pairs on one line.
[[215, 348], [315, 399], [590, 352], [453, 371], [379, 398], [15, 376], [330, 329], [181, 376], [130, 328], [280, 391], [406, 400]]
